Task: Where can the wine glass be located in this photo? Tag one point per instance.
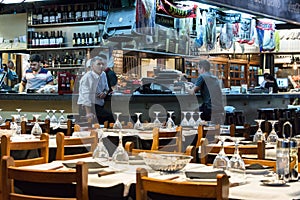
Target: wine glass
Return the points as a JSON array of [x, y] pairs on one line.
[[184, 121], [272, 137], [61, 119], [48, 115], [199, 120], [170, 122], [192, 122], [117, 124], [100, 154], [1, 118], [36, 129], [259, 135], [236, 164], [18, 117], [14, 126], [156, 122], [53, 118], [221, 161], [138, 125], [120, 156]]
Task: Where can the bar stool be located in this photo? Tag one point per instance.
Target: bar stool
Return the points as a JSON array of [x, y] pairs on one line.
[[267, 114]]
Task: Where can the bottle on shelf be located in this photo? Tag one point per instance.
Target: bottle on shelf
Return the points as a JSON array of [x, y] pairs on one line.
[[91, 12], [62, 82], [90, 40], [72, 83], [83, 39], [40, 16], [84, 13], [52, 16], [52, 40], [60, 39], [46, 39], [74, 40], [96, 41], [68, 86], [66, 58], [71, 13], [98, 11], [79, 40], [78, 17], [46, 16], [65, 14], [59, 15], [34, 17], [86, 39]]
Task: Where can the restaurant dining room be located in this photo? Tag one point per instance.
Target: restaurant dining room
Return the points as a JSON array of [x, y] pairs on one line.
[[149, 100]]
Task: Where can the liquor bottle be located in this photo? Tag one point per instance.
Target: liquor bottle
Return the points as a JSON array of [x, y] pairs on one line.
[[96, 41], [50, 63], [74, 40], [72, 83], [52, 16], [87, 39], [52, 40], [32, 44], [65, 14], [42, 37], [67, 83], [91, 12], [83, 43], [61, 39], [46, 39], [84, 13], [78, 13], [34, 17], [62, 83], [40, 16], [71, 14], [91, 40], [79, 59], [37, 40], [79, 41], [70, 61], [30, 35], [59, 15], [46, 16], [98, 11], [66, 58]]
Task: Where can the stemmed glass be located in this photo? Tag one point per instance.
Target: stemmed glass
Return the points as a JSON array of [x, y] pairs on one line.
[[53, 118], [100, 154], [221, 161], [272, 137], [236, 163], [199, 120], [36, 129], [48, 115], [156, 122], [192, 120], [18, 117], [138, 124], [170, 122], [61, 119], [259, 135], [1, 118], [117, 124], [120, 156], [184, 121], [15, 126]]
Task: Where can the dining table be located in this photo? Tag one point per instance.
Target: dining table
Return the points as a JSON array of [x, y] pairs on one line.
[[252, 186]]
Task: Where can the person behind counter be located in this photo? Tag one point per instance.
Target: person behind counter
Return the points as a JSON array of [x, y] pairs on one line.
[[35, 76], [209, 86], [93, 88], [270, 82]]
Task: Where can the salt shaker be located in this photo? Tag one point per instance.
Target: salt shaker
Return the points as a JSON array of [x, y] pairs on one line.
[[293, 160], [282, 159]]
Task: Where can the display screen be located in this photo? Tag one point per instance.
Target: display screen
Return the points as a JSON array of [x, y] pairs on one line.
[[282, 82], [260, 79]]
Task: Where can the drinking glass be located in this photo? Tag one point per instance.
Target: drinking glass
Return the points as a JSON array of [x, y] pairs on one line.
[[156, 122], [237, 168], [259, 135], [18, 117], [184, 121], [120, 156], [53, 118], [138, 125], [15, 126], [221, 161], [192, 120], [100, 154], [117, 124], [61, 119], [48, 115], [36, 129], [1, 118], [170, 122], [272, 137], [199, 120]]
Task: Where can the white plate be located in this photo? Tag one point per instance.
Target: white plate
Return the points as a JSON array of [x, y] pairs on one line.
[[273, 182], [258, 171]]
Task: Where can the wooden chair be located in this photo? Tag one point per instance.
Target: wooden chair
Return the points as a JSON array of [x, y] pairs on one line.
[[270, 163], [175, 135], [11, 174], [6, 125], [62, 142], [206, 149], [129, 147], [210, 190], [27, 127], [204, 131], [43, 145]]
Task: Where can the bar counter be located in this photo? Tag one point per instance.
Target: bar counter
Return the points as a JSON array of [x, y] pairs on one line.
[[128, 104]]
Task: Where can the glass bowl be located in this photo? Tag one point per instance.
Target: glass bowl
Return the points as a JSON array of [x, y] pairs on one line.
[[165, 162]]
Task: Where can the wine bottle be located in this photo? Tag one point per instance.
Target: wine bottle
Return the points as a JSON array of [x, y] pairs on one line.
[[52, 16], [84, 13], [78, 13], [67, 83], [34, 17], [40, 16], [65, 14], [71, 15], [96, 42], [91, 40], [98, 11], [83, 42], [59, 15], [74, 40], [46, 16], [91, 12], [79, 41]]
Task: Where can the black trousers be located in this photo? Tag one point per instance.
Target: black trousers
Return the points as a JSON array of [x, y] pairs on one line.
[[103, 115]]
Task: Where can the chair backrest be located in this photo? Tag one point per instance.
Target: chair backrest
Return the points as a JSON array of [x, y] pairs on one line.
[[6, 125], [27, 127], [10, 173], [207, 132], [257, 149], [270, 163], [43, 145], [210, 190], [174, 135], [62, 142], [189, 151]]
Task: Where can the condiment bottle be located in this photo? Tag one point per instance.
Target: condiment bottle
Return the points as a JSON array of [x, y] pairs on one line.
[[282, 159], [293, 160]]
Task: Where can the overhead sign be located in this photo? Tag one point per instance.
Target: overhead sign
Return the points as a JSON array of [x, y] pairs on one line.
[[288, 10]]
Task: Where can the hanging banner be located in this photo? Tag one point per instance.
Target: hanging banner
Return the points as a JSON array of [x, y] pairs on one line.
[[226, 17], [281, 9], [177, 11]]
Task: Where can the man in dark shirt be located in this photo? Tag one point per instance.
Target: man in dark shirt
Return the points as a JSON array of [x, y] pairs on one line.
[[212, 107]]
